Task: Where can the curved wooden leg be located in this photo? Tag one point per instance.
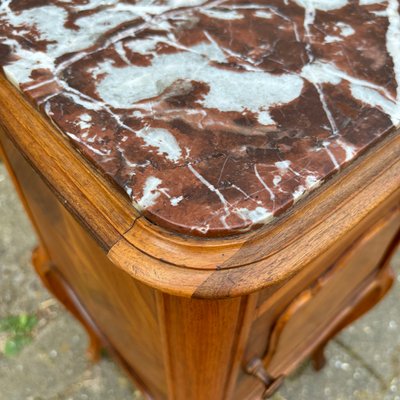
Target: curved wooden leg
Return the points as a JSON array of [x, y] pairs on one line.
[[318, 358], [364, 301], [56, 284]]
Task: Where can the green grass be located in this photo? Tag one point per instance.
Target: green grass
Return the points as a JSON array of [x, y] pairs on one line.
[[19, 332]]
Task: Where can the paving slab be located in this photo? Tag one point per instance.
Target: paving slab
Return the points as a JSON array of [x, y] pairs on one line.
[[20, 290], [54, 366]]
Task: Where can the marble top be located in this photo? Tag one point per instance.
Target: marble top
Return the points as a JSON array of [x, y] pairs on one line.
[[213, 116]]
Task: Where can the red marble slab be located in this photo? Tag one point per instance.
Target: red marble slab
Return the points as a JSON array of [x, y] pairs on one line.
[[213, 116]]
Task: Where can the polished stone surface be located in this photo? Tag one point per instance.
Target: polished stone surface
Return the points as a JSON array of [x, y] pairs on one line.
[[213, 116]]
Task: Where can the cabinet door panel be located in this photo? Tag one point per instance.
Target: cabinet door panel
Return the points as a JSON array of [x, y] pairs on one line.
[[314, 314]]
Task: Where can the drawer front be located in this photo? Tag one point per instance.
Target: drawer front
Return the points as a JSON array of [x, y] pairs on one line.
[[318, 312]]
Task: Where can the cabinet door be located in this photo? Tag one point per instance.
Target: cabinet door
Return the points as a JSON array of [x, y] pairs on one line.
[[357, 281]]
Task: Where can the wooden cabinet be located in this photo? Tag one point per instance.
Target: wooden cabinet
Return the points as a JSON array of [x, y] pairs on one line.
[[215, 185]]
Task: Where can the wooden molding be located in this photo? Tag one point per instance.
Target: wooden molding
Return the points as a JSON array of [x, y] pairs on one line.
[[198, 267]]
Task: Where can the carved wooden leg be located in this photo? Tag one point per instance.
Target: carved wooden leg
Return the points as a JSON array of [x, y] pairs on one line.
[[55, 283], [363, 302]]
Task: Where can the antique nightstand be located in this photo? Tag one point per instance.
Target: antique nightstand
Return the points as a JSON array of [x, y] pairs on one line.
[[215, 184]]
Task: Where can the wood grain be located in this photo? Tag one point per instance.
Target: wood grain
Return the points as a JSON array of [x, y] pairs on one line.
[[194, 356]]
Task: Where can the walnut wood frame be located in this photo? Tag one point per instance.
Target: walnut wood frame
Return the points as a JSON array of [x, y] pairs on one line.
[[209, 308]]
